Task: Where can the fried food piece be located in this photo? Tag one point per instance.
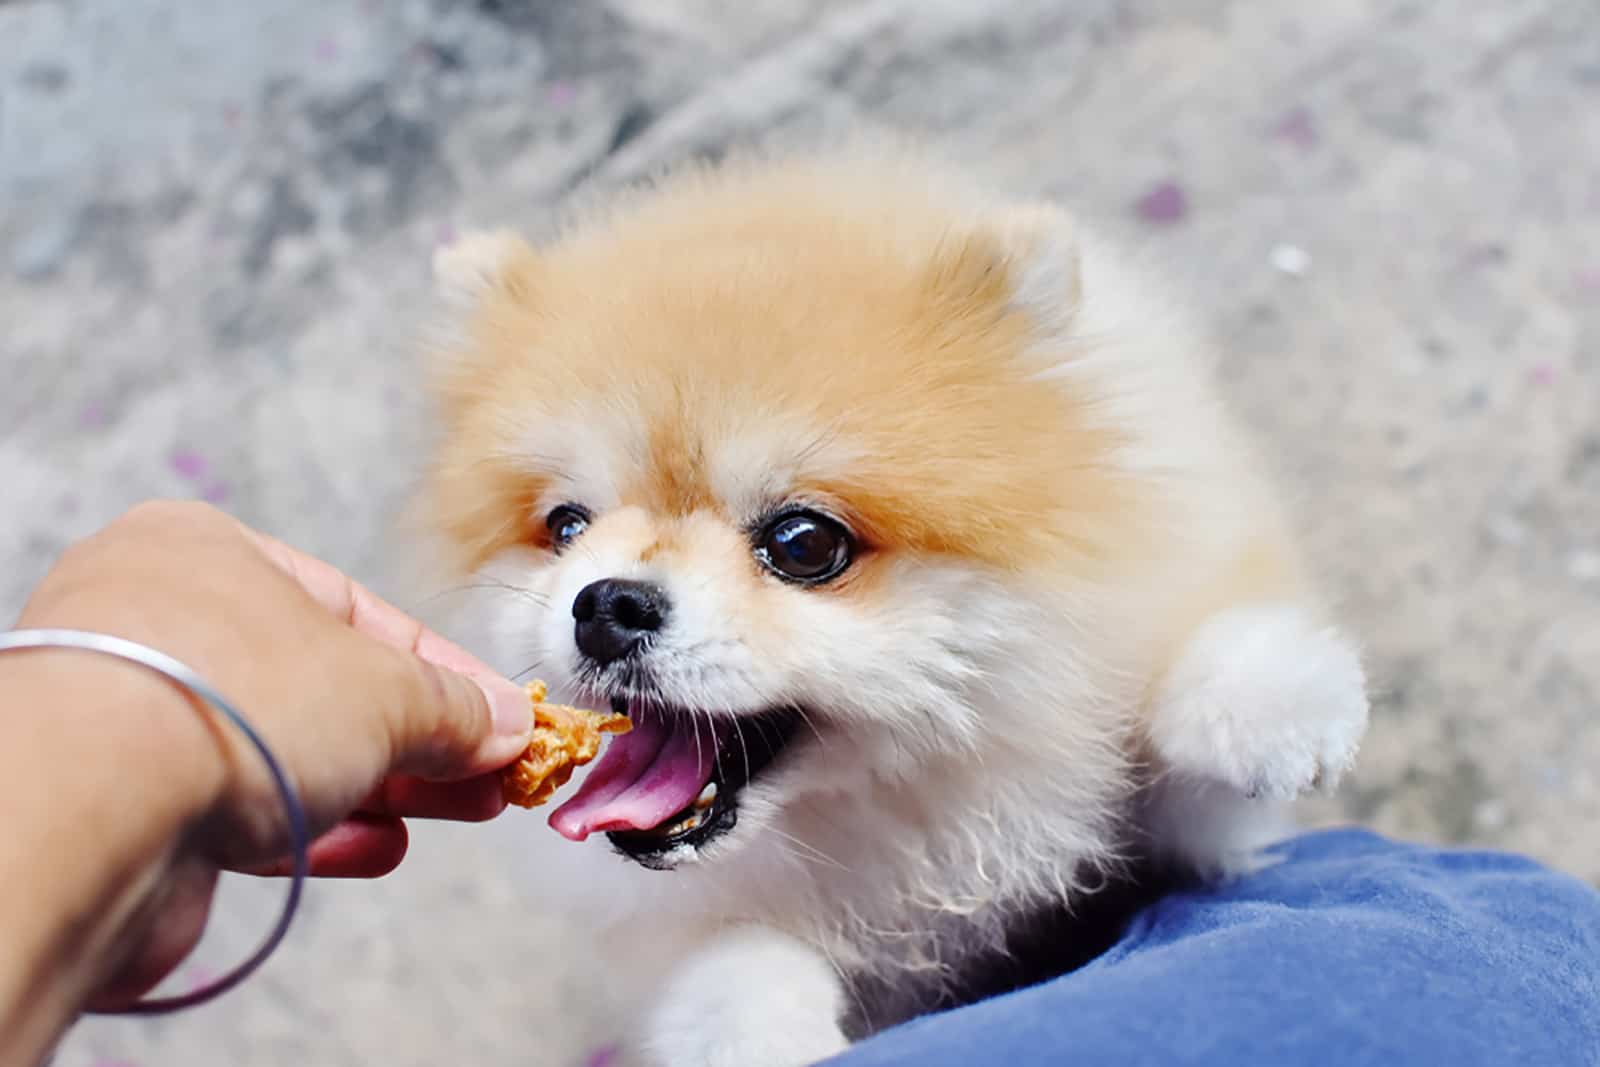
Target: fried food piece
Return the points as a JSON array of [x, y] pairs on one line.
[[563, 739]]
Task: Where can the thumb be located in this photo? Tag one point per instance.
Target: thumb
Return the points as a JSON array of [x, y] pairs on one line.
[[447, 725]]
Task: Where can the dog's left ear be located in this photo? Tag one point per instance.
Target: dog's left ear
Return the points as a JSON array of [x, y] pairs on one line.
[[1022, 260], [476, 264], [1043, 262]]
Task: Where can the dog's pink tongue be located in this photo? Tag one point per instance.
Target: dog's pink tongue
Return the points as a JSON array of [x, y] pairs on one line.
[[647, 774]]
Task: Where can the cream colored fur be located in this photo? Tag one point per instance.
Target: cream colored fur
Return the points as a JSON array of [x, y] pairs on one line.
[[988, 733]]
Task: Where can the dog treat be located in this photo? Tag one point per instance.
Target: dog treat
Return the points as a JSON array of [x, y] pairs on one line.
[[563, 739]]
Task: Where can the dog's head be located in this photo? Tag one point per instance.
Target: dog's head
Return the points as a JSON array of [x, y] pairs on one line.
[[778, 460]]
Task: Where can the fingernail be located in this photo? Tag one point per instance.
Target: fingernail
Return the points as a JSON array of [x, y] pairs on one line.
[[513, 711]]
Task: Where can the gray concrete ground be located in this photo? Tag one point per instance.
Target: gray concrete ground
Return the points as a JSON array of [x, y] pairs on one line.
[[215, 221]]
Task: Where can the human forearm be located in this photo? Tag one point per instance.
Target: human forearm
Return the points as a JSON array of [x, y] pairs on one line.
[[124, 797], [101, 768]]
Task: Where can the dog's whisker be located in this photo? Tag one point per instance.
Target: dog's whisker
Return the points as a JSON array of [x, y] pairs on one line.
[[797, 855], [506, 587], [744, 747], [699, 753], [813, 726], [529, 669], [716, 755], [820, 855]]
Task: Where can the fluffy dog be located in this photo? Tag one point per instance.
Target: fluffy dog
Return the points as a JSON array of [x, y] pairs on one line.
[[905, 523]]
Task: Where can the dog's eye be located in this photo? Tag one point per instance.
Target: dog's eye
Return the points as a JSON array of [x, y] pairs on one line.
[[803, 546], [565, 523]]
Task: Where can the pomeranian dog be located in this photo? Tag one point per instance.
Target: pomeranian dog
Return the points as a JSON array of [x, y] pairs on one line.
[[906, 525]]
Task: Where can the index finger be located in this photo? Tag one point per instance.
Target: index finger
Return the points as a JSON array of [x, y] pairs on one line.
[[366, 612], [437, 728]]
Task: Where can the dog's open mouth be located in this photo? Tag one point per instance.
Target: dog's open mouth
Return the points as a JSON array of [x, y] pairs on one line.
[[673, 781]]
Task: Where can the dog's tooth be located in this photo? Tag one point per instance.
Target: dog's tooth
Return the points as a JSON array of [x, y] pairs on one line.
[[707, 796]]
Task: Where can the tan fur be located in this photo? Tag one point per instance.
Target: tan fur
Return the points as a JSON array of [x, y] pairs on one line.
[[1027, 674], [826, 292]]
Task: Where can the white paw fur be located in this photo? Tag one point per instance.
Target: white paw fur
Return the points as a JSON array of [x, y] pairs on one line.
[[1264, 700], [751, 998]]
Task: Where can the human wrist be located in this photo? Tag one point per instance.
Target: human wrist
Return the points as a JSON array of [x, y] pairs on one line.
[[102, 767], [115, 729]]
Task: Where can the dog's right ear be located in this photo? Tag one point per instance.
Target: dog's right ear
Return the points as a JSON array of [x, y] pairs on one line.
[[478, 264], [479, 277], [1041, 244]]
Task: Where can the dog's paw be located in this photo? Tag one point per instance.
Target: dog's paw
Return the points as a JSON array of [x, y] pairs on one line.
[[751, 998], [1263, 700]]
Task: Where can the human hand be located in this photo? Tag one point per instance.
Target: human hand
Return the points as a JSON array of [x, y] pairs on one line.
[[374, 718]]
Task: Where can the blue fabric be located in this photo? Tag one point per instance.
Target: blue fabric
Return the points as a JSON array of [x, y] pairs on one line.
[[1354, 950]]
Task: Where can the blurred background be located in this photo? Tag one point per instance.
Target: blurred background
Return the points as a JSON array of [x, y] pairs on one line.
[[215, 225]]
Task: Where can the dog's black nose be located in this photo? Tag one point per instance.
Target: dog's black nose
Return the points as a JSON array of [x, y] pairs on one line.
[[615, 616]]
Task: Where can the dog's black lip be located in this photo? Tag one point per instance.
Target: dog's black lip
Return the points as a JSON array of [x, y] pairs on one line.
[[649, 849], [750, 749]]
